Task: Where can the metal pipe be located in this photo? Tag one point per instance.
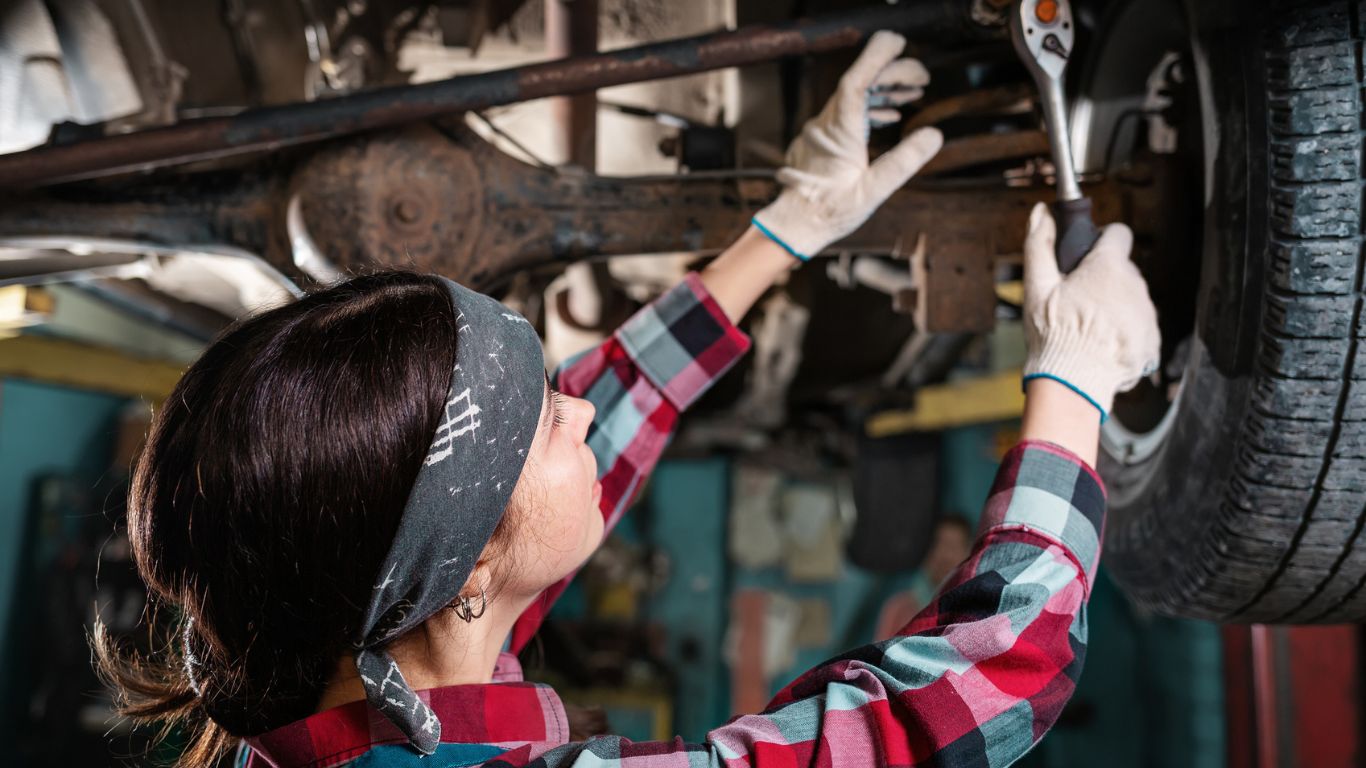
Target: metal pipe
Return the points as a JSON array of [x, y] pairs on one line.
[[936, 22], [1055, 114], [571, 30]]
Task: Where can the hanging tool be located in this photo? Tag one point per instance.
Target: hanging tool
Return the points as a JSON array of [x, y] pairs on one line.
[[1043, 32]]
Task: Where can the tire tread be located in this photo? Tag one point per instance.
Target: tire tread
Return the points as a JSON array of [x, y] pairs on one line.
[[1285, 543], [1294, 514]]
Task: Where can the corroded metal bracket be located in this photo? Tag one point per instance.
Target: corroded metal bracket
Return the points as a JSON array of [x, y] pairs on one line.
[[439, 198]]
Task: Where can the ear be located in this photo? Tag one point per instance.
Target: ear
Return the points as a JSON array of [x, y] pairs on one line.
[[480, 580]]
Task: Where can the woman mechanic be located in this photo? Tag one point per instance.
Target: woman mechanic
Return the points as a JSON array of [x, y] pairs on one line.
[[361, 505]]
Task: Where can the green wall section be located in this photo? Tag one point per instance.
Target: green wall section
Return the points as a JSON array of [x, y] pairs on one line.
[[43, 430]]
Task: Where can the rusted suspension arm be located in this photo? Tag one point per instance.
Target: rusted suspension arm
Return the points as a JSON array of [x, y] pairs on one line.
[[446, 201], [939, 22]]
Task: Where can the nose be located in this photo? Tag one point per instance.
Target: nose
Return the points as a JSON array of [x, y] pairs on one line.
[[581, 416]]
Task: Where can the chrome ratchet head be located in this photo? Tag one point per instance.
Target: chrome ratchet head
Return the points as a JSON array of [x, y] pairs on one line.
[[1043, 31]]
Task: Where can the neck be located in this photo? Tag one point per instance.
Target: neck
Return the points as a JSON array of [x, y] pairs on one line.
[[442, 651]]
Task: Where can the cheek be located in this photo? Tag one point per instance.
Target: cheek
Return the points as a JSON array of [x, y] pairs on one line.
[[563, 524], [568, 471], [573, 496]]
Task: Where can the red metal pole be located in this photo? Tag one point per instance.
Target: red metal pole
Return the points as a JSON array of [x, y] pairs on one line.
[[1325, 682], [1240, 713], [1293, 696], [1267, 695]]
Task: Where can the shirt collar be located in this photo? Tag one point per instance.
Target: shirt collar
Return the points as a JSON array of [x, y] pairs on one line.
[[507, 713]]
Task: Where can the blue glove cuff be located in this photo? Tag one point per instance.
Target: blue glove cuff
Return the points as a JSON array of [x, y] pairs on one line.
[[769, 234], [1069, 385]]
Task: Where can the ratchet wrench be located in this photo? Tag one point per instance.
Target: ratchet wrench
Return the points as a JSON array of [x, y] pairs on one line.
[[1043, 32]]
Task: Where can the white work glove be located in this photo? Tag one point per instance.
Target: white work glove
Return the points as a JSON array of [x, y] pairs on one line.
[[829, 188], [1094, 330]]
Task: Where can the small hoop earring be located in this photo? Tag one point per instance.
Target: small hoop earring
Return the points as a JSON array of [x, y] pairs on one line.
[[465, 612]]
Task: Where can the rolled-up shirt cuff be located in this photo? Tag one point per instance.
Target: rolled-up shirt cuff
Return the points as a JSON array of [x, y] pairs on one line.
[[1045, 488], [683, 342]]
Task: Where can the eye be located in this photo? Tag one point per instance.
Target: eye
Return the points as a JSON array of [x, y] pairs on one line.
[[557, 403]]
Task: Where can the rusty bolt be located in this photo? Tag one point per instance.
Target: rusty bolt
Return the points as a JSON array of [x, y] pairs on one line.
[[407, 211]]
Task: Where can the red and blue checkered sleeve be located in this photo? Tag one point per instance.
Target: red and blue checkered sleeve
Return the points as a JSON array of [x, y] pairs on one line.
[[975, 680], [980, 675], [657, 364]]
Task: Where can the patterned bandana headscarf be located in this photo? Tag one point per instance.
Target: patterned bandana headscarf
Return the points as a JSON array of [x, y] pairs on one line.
[[476, 456]]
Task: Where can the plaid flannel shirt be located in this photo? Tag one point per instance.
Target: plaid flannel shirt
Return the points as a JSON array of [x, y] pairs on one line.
[[975, 679]]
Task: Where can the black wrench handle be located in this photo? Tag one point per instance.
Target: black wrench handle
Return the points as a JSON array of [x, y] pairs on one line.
[[1077, 233]]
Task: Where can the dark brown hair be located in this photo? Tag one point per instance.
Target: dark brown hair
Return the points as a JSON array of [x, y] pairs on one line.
[[266, 497]]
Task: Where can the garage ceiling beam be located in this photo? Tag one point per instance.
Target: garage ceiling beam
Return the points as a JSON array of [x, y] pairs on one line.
[[72, 364], [983, 400]]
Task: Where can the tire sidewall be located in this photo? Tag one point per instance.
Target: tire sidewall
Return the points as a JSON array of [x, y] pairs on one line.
[[1164, 510]]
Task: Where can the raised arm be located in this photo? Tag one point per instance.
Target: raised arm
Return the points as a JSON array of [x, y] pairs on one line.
[[639, 380], [830, 187], [976, 679], [670, 352], [981, 674]]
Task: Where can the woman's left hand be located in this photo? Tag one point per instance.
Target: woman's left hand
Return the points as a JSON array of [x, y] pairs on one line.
[[829, 187]]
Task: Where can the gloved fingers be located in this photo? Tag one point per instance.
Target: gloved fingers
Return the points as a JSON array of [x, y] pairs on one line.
[[1040, 257], [882, 49], [897, 98], [898, 164], [1138, 371], [791, 177], [901, 75], [1128, 384], [1116, 243], [1142, 348], [1152, 348], [880, 118], [889, 99], [899, 83], [1141, 334], [883, 106]]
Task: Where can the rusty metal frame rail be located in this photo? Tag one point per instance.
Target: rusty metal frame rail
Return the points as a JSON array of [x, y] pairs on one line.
[[438, 198], [933, 22]]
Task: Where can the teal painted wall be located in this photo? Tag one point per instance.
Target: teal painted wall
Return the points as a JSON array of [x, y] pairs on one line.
[[43, 430], [1151, 693], [689, 504]]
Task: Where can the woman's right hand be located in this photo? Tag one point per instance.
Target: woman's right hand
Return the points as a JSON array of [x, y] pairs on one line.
[[1093, 330]]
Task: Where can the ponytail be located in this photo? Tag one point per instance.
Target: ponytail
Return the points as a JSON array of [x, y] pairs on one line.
[[265, 500], [153, 689]]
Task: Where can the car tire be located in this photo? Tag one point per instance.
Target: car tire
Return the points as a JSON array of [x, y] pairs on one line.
[[1250, 508]]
